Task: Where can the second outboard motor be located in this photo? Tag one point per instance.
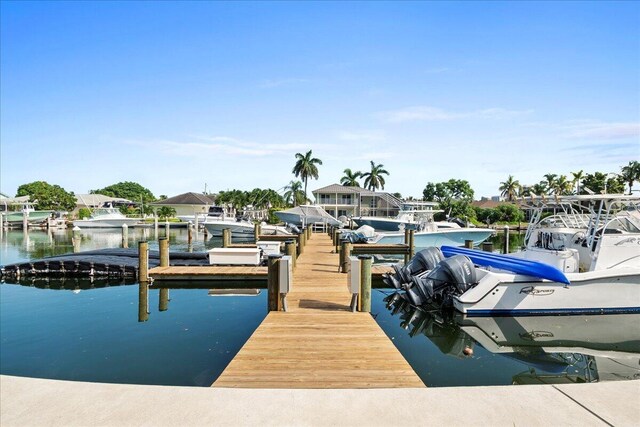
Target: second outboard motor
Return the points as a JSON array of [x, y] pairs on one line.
[[452, 276], [425, 260]]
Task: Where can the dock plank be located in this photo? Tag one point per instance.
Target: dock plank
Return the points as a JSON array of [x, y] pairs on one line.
[[319, 342]]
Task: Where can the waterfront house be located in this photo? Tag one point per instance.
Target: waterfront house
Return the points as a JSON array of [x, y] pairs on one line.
[[339, 200], [187, 203]]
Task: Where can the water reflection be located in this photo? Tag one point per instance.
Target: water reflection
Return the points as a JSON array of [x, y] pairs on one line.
[[554, 349]]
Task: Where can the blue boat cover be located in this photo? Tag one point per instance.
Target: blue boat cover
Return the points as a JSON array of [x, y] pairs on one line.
[[509, 263]]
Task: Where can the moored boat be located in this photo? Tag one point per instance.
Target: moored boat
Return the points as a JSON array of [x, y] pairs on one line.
[[600, 274], [106, 217]]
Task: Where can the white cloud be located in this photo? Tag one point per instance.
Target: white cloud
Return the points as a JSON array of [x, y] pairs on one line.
[[428, 113], [602, 130]]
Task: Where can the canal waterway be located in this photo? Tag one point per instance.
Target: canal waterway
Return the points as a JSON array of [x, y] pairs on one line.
[[112, 332]]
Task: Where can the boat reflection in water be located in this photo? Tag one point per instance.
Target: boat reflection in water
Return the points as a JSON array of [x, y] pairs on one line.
[[556, 349]]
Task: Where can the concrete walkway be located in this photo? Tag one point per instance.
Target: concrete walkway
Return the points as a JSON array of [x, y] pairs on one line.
[[38, 402]]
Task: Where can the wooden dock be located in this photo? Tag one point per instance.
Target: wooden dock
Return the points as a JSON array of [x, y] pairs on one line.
[[319, 342]]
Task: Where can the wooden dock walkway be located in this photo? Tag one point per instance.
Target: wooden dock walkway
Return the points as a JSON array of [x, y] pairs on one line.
[[319, 342]]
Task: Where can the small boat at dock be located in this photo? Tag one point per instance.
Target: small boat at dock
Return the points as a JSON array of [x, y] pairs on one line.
[[106, 217]]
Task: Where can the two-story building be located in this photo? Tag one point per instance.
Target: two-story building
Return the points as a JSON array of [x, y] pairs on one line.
[[339, 200]]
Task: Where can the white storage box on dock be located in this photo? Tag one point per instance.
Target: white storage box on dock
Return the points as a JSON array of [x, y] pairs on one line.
[[269, 248], [234, 256]]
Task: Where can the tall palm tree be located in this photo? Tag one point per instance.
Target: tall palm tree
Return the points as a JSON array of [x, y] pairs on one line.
[[551, 178], [374, 179], [305, 168], [631, 173], [293, 194], [510, 188], [577, 177], [350, 178]]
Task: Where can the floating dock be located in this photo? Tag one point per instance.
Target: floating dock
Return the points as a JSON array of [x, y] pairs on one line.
[[318, 342]]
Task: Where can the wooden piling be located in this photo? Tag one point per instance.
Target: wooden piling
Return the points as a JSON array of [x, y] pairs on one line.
[[407, 256], [309, 231], [163, 244], [273, 283], [25, 219], [143, 262], [166, 228], [468, 244], [163, 304], [345, 253], [290, 247], [365, 282], [487, 247], [190, 233], [412, 246], [125, 236], [143, 301], [226, 237], [256, 231], [505, 250]]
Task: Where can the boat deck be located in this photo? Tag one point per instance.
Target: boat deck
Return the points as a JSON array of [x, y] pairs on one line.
[[319, 342]]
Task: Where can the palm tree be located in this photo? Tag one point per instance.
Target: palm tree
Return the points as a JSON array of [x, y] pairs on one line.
[[577, 177], [305, 167], [350, 178], [551, 178], [631, 173], [539, 188], [561, 186], [510, 188], [293, 194], [374, 179]]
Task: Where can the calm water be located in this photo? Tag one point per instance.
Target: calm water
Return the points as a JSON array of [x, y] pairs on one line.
[[92, 332], [96, 334]]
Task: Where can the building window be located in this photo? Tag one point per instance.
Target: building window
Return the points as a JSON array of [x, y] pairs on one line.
[[342, 212], [345, 199], [325, 199]]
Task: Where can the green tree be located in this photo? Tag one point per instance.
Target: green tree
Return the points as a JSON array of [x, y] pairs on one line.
[[631, 173], [510, 188], [127, 190], [561, 186], [48, 196], [374, 179], [293, 194], [166, 212], [550, 181], [600, 183], [350, 178], [539, 189], [306, 168], [577, 177], [453, 196], [84, 213]]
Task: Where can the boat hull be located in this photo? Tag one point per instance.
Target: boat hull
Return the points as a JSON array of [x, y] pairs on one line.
[[385, 224], [106, 223], [454, 237], [237, 228], [598, 292], [36, 217]]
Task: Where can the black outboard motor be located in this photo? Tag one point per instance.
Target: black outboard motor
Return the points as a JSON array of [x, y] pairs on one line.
[[452, 276], [423, 261]]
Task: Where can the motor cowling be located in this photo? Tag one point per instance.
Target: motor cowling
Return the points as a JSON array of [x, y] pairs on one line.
[[452, 276]]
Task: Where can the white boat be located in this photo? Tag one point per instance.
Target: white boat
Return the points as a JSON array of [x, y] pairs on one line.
[[199, 218], [412, 216], [218, 220], [596, 271], [106, 217], [307, 214], [435, 236]]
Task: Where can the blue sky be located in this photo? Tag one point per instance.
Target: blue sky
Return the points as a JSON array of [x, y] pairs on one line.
[[176, 95]]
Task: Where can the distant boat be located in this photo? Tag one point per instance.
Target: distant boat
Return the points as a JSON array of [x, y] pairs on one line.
[[217, 220], [412, 216], [307, 214], [454, 236], [106, 217], [34, 217]]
